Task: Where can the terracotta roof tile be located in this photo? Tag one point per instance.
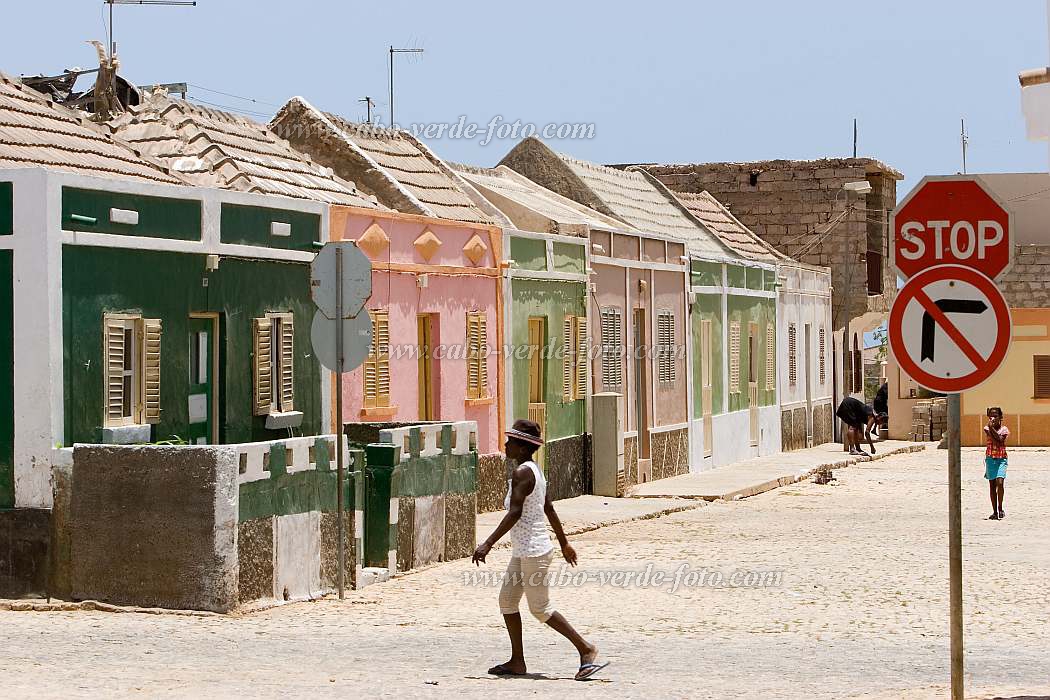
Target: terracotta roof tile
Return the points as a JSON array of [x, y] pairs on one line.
[[723, 224], [210, 147], [36, 132]]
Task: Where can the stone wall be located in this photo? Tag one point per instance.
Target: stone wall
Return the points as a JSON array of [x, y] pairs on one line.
[[794, 431], [568, 466], [669, 451], [630, 462], [492, 482], [155, 526], [789, 204], [1027, 283], [24, 538]]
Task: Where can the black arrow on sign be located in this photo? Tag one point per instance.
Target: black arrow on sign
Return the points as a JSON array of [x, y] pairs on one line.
[[948, 306]]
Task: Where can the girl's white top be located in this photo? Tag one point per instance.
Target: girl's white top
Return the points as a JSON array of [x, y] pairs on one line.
[[529, 536]]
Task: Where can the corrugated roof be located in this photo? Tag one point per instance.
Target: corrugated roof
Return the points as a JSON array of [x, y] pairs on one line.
[[723, 224], [505, 182], [213, 148], [391, 164], [37, 132]]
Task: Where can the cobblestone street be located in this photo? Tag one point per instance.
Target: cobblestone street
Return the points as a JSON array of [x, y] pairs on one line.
[[861, 611]]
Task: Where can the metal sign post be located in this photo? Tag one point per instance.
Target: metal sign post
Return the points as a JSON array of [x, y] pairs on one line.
[[950, 327], [955, 543], [340, 284], [340, 467]]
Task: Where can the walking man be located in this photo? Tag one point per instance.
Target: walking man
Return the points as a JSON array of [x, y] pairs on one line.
[[527, 503]]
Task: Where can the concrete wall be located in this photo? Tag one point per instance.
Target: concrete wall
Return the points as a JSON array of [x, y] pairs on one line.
[[455, 285], [24, 545], [155, 526]]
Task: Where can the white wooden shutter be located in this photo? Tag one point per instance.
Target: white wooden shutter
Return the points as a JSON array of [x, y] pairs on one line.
[[771, 365], [582, 357], [734, 357], [287, 384], [612, 337], [114, 349], [665, 346], [151, 370], [262, 365], [568, 368]]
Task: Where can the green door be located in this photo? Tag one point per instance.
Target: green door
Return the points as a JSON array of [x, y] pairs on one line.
[[201, 394]]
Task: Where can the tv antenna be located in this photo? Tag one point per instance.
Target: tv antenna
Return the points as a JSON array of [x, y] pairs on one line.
[[392, 52], [965, 142], [369, 104], [113, 44]]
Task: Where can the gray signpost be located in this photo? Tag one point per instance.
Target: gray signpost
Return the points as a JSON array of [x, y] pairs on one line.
[[340, 284]]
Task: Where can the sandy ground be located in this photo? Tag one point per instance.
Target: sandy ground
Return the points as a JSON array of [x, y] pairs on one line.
[[856, 606]]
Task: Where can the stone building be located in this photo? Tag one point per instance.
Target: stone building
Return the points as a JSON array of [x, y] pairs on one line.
[[803, 210]]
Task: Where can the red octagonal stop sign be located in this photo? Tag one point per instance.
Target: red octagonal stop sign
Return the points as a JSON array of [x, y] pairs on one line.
[[952, 220]]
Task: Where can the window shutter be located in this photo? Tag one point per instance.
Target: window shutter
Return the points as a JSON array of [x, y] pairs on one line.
[[612, 336], [114, 334], [287, 363], [477, 362], [381, 338], [1041, 375], [370, 367], [665, 346], [734, 357], [792, 354], [771, 350], [820, 356], [262, 336], [582, 357], [151, 370], [569, 360]]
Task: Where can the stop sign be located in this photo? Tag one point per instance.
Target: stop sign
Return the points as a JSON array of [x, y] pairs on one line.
[[952, 220]]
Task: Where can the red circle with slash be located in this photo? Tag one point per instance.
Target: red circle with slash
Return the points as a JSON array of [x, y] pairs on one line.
[[903, 331]]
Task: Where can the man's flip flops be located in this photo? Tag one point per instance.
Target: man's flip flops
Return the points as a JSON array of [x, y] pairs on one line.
[[588, 670]]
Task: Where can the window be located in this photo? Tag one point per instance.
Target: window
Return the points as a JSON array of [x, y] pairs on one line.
[[771, 365], [665, 347], [273, 363], [612, 348], [821, 356], [132, 366], [792, 354], [574, 358], [752, 354], [477, 355], [1041, 376], [734, 357], [706, 355], [376, 374]]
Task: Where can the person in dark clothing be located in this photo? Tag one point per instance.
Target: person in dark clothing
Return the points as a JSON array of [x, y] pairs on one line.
[[882, 399], [859, 418]]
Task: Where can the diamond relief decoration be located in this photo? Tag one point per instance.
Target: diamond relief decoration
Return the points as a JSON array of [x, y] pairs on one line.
[[427, 244], [374, 240], [475, 249]]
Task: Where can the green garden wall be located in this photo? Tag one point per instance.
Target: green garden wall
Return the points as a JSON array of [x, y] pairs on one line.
[[170, 286], [749, 310], [552, 300]]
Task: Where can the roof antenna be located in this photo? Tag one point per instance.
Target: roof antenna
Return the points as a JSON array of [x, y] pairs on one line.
[[392, 52], [965, 142], [111, 3]]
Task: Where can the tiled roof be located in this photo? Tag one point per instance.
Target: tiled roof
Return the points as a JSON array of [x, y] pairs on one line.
[[213, 148], [398, 168], [504, 182], [36, 132], [723, 224]]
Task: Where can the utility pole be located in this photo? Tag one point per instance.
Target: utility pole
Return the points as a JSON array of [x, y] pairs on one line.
[[392, 52], [854, 137], [965, 141], [112, 46], [369, 104]]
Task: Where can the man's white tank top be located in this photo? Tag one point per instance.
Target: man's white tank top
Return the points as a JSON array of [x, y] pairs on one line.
[[529, 536]]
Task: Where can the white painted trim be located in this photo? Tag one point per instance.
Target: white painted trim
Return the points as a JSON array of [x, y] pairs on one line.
[[639, 264], [557, 237], [112, 240], [550, 276], [707, 289], [668, 428]]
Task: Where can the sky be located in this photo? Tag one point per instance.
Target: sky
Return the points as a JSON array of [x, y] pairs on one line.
[[658, 81]]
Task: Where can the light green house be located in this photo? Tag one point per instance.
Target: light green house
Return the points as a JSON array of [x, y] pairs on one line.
[[546, 286]]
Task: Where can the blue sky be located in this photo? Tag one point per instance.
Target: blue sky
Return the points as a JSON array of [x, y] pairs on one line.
[[660, 81]]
